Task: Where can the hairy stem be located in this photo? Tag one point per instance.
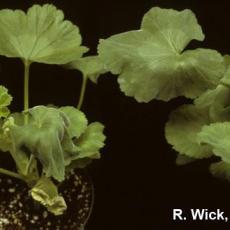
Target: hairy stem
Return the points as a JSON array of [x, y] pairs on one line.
[[12, 174], [82, 94], [26, 88]]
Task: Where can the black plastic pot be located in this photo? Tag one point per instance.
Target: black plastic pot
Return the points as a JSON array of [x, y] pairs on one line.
[[18, 211]]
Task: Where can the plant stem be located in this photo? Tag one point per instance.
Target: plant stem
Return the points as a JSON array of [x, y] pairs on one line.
[[12, 174], [26, 87], [82, 94]]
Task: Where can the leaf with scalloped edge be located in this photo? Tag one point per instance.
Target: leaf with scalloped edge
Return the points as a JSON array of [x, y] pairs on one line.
[[151, 63], [81, 152], [40, 35], [5, 100], [182, 128], [91, 141]]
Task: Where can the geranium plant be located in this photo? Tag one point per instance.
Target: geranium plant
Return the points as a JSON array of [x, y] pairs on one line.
[[47, 142]]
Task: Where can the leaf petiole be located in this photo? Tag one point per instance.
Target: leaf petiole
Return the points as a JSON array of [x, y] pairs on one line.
[[12, 174], [83, 89], [26, 88]]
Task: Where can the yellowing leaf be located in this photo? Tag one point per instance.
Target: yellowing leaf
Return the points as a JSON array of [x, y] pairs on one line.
[[46, 193], [40, 35]]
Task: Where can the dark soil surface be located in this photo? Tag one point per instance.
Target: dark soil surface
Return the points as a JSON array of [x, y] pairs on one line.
[[18, 211]]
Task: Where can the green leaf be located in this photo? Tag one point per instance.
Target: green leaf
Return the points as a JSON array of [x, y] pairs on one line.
[[42, 137], [91, 141], [221, 169], [46, 193], [7, 143], [206, 99], [217, 135], [5, 100], [182, 128], [40, 35], [226, 79], [77, 121], [151, 63], [79, 152], [217, 102], [91, 67], [88, 147]]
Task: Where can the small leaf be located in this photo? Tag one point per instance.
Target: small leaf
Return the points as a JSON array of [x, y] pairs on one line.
[[91, 141], [77, 121], [46, 193], [87, 148], [182, 128], [40, 35], [217, 136], [221, 169], [5, 100], [151, 63], [91, 67]]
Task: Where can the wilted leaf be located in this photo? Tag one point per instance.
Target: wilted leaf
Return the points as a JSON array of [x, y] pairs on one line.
[[42, 137]]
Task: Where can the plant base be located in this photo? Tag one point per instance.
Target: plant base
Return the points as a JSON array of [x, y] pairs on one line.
[[18, 211]]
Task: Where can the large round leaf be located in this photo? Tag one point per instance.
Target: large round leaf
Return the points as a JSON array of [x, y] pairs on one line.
[[40, 35], [150, 62]]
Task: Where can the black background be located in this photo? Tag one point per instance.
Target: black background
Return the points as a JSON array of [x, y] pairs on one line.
[[137, 183]]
